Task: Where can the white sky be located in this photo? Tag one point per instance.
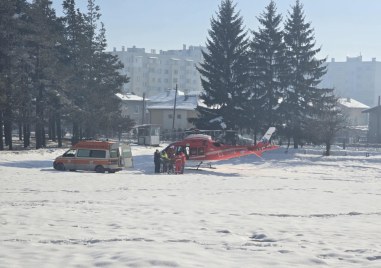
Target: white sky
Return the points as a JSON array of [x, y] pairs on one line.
[[342, 28]]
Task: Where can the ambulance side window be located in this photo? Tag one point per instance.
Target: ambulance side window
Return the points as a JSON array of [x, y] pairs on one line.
[[114, 153], [201, 151], [98, 153], [83, 153], [69, 153]]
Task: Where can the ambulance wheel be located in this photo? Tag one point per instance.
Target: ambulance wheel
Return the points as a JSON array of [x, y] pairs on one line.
[[99, 169], [59, 166]]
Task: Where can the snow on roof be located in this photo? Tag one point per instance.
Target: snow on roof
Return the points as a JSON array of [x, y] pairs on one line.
[[129, 96], [352, 103], [168, 95], [182, 103]]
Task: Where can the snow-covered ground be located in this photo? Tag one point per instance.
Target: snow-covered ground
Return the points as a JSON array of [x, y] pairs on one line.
[[295, 209]]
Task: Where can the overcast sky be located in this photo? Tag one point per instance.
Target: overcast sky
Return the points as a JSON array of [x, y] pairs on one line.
[[342, 27]]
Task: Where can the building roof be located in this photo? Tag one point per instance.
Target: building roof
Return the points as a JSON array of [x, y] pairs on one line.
[[168, 95], [352, 103], [373, 109], [129, 97], [186, 102]]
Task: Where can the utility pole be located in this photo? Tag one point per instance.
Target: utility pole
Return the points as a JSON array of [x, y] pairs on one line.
[[174, 110], [378, 111], [144, 108]]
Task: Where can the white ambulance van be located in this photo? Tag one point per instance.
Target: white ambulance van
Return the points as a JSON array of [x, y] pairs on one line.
[[98, 156]]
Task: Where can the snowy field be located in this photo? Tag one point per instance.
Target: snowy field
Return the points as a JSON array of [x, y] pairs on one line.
[[295, 209]]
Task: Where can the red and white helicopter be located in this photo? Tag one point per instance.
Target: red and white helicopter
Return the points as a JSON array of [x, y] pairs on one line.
[[201, 148]]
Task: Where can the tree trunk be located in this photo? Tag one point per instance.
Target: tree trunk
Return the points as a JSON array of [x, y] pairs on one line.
[[75, 137], [1, 132], [40, 133], [59, 130], [296, 142], [26, 134], [52, 127], [43, 137], [8, 126], [327, 148], [20, 130]]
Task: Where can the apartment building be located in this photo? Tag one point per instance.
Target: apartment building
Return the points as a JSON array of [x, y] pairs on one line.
[[152, 73], [354, 78]]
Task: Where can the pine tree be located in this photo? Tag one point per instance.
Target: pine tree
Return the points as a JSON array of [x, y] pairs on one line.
[[12, 20], [328, 119], [43, 42], [304, 75], [95, 76], [224, 72], [76, 43], [267, 70], [107, 82]]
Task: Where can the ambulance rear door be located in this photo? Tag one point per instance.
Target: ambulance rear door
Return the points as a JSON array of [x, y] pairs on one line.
[[126, 155]]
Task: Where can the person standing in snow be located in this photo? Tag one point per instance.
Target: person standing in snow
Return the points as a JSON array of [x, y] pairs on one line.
[[156, 160], [183, 159], [165, 161]]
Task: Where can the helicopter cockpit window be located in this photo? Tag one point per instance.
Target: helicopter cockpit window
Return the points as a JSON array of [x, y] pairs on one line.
[[179, 149], [193, 151]]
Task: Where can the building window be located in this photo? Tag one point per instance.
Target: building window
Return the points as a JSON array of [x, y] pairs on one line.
[[170, 116], [178, 116], [136, 110]]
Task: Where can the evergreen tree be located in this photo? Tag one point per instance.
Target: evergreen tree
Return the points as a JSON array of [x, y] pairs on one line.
[[104, 77], [326, 122], [12, 21], [75, 88], [43, 44], [107, 82], [95, 76], [267, 70], [305, 73], [224, 72]]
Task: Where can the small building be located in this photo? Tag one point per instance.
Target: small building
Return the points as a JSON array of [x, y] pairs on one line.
[[170, 116], [357, 127], [134, 106], [374, 129], [353, 110]]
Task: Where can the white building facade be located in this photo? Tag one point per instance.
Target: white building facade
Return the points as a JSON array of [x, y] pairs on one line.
[[153, 73], [354, 78]]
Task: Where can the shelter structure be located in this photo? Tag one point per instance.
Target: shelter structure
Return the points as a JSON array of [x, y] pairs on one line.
[[148, 134]]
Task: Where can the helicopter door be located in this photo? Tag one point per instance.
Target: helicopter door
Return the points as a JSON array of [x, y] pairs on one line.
[[187, 150]]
